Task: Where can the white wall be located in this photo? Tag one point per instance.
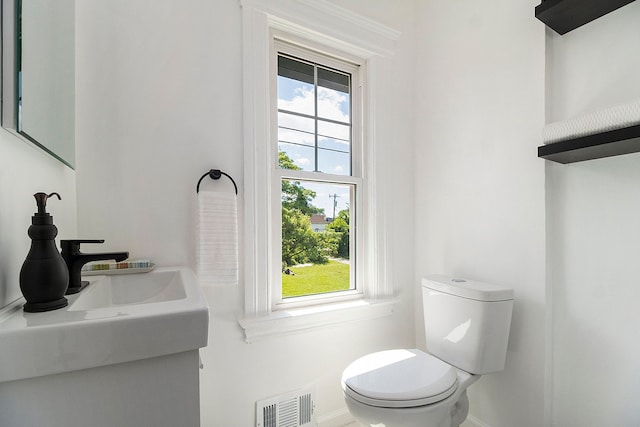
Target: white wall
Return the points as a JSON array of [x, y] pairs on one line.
[[593, 233], [479, 185], [159, 102], [24, 171]]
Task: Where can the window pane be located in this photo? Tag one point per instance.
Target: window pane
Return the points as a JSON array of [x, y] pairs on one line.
[[294, 121], [335, 162], [334, 105], [295, 70], [296, 137], [296, 96], [301, 156], [334, 130], [316, 233], [335, 80], [334, 144]]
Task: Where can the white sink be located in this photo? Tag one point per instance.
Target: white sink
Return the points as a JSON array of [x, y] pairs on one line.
[[121, 290], [115, 319]]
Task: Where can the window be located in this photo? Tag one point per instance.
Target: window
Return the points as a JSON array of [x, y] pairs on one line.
[[330, 155], [317, 166]]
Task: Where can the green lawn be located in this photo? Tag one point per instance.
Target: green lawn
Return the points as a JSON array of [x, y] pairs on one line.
[[316, 279]]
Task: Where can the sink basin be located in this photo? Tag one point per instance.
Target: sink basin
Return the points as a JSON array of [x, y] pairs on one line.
[[147, 288], [115, 319]]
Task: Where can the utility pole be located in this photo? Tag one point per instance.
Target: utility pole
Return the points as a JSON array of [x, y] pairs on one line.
[[335, 203]]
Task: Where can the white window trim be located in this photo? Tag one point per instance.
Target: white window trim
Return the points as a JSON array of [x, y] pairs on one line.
[[290, 45], [327, 24]]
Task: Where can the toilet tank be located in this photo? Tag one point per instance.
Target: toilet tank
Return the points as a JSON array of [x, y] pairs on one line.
[[467, 322]]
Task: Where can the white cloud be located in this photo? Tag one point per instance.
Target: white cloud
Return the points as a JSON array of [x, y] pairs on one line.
[[330, 103], [302, 101]]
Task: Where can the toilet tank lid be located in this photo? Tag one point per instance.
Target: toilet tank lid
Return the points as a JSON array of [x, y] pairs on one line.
[[467, 288]]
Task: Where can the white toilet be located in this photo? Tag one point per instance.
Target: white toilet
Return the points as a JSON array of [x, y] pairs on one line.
[[467, 329]]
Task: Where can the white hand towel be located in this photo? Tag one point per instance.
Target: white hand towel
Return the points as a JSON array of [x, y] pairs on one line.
[[217, 239]]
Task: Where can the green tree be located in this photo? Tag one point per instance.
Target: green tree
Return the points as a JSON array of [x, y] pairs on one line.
[[286, 162], [294, 195], [340, 225], [298, 239], [300, 244]]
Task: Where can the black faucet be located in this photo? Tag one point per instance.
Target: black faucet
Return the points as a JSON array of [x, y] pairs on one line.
[[76, 259]]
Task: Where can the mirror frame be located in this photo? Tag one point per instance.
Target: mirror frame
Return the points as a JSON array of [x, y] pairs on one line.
[[8, 68], [9, 79]]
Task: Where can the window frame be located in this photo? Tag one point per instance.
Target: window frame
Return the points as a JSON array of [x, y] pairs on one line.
[[288, 45], [327, 24]]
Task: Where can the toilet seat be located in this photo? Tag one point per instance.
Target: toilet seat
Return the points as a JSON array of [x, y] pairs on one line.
[[399, 379]]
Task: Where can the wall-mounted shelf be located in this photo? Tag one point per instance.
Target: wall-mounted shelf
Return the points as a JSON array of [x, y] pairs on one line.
[[606, 144], [563, 16]]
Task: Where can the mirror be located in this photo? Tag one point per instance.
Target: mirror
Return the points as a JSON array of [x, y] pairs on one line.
[[39, 73]]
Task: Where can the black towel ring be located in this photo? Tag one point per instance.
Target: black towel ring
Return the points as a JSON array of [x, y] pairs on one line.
[[215, 174]]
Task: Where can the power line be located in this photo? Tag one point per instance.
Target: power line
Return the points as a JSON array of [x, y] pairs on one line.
[[335, 203]]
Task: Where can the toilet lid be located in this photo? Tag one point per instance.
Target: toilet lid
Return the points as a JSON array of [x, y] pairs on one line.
[[399, 378]]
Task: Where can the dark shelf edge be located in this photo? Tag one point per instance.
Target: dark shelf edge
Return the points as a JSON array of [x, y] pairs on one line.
[[606, 144], [563, 16]]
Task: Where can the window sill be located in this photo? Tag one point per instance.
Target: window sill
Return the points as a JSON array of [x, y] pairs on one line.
[[287, 322]]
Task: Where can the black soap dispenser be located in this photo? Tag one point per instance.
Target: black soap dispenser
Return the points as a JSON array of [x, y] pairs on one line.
[[44, 276]]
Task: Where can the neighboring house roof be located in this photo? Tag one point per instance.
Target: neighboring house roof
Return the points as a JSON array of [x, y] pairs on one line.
[[318, 219]]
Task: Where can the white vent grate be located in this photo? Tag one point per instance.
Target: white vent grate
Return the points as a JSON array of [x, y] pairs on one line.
[[295, 409]]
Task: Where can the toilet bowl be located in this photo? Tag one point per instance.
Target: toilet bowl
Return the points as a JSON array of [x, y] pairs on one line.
[[406, 387], [467, 327]]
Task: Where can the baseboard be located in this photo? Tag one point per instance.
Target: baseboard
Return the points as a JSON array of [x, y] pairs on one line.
[[472, 421], [339, 418], [342, 418]]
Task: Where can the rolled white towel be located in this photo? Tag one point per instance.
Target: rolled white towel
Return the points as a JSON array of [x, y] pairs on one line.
[[612, 118]]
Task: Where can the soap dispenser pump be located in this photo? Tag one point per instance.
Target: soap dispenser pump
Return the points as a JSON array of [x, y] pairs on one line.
[[44, 276]]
